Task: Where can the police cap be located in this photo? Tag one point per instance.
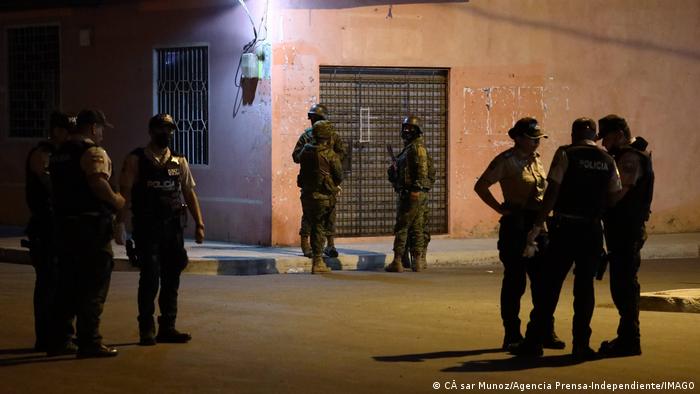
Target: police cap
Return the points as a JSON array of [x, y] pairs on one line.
[[581, 125], [527, 127], [92, 116], [161, 120], [612, 123], [318, 110], [60, 120], [322, 130]]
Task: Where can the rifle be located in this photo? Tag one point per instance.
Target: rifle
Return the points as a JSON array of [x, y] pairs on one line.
[[602, 264]]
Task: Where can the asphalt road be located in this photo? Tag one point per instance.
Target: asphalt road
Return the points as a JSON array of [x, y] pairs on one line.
[[346, 332]]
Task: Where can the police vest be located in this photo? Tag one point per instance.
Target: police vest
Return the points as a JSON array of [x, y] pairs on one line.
[[635, 206], [156, 192], [584, 189], [315, 172], [71, 193], [37, 193]]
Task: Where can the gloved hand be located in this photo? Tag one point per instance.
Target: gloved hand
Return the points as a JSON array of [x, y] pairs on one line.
[[530, 250]]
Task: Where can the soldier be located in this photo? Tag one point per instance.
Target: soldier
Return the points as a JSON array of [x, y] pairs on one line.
[[582, 181], [522, 178], [319, 179], [625, 230], [410, 176], [152, 180], [40, 227], [84, 203], [318, 112]]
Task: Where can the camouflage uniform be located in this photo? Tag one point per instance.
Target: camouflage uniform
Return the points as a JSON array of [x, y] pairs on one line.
[[319, 177], [411, 179]]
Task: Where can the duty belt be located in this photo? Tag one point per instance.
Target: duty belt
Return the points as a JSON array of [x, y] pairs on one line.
[[576, 218]]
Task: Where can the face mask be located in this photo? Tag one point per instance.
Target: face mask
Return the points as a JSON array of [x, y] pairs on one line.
[[406, 133], [162, 140]]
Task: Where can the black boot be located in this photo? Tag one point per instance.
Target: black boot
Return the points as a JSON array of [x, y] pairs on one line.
[[168, 334], [620, 348], [147, 331]]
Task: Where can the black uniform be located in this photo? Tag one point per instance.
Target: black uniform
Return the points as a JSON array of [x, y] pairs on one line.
[[576, 236], [83, 244], [625, 234], [40, 233], [158, 215]]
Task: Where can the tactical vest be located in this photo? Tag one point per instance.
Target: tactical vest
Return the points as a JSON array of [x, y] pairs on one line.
[[584, 189], [71, 193], [635, 206], [156, 192], [404, 179], [37, 194], [315, 172]]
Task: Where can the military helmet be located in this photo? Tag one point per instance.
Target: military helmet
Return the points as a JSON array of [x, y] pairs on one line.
[[413, 121], [322, 130], [319, 110]]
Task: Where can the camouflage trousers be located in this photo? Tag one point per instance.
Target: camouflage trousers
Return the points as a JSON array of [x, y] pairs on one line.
[[305, 229], [411, 215], [317, 212]]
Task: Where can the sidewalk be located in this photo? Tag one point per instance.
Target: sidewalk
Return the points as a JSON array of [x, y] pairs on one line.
[[219, 258]]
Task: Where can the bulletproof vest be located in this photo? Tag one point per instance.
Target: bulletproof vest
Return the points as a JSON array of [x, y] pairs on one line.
[[37, 193], [635, 206], [404, 176], [584, 189], [71, 193], [156, 192], [315, 173]]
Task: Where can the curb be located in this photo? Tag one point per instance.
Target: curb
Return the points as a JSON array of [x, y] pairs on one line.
[[681, 300]]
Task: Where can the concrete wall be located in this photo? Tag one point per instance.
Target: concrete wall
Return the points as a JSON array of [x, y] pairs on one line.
[[550, 59], [116, 75]]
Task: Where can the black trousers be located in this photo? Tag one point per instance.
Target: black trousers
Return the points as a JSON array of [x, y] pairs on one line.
[[571, 242], [43, 259], [512, 236], [624, 240], [85, 264], [162, 258]]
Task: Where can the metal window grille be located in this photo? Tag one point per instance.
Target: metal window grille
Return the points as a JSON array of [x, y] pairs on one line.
[[367, 106], [183, 92], [34, 79]]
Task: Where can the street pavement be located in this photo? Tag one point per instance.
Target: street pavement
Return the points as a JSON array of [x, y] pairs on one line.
[[346, 332]]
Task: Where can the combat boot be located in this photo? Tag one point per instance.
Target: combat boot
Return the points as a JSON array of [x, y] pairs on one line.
[[526, 348], [583, 351], [318, 266], [551, 340], [419, 263], [330, 250], [395, 265], [168, 334], [147, 331], [305, 246], [620, 348]]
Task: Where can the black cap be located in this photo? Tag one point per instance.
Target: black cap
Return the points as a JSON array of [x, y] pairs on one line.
[[161, 120], [582, 125], [92, 116], [527, 127], [60, 120], [612, 123]]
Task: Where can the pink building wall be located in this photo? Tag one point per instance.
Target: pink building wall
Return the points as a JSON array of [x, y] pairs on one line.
[[550, 59], [116, 75]]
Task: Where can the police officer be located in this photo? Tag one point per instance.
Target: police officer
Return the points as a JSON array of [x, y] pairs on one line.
[[318, 112], [521, 176], [582, 181], [625, 230], [411, 180], [40, 227], [319, 179], [152, 180], [84, 203]]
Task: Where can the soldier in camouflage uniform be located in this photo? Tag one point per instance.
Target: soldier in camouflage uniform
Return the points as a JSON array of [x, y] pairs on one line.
[[318, 112], [319, 178], [410, 175]]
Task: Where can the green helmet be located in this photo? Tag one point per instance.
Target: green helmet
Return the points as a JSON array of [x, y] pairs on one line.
[[413, 121], [319, 110], [322, 130]]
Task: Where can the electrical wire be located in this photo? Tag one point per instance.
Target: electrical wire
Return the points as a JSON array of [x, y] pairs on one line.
[[248, 48]]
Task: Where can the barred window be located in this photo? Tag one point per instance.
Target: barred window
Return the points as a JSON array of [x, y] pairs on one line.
[[34, 79], [182, 90]]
